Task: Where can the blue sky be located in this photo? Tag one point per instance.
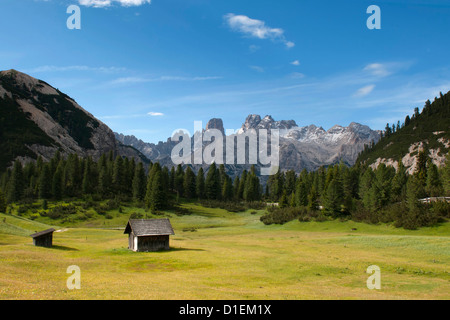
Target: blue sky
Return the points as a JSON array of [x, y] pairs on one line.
[[148, 68]]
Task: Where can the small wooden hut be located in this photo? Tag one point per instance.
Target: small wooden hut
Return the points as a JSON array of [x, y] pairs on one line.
[[148, 235], [43, 238]]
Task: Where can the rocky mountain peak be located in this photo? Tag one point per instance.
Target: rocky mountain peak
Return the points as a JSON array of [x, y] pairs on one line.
[[254, 121], [215, 123]]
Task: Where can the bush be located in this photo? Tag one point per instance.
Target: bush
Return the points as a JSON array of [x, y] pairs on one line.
[[277, 215], [136, 215], [61, 212]]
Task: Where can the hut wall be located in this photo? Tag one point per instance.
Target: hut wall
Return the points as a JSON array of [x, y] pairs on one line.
[[43, 241], [153, 243]]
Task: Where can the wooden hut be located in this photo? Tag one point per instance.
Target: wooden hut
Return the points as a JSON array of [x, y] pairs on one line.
[[148, 235], [43, 238]]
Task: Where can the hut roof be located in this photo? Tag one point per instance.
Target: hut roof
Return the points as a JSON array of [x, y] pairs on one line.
[[152, 227], [41, 233]]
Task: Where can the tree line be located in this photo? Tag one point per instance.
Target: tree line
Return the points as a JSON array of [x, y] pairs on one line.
[[111, 176], [362, 193]]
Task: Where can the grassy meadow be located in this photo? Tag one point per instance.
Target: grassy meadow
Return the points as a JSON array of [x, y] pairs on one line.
[[216, 254]]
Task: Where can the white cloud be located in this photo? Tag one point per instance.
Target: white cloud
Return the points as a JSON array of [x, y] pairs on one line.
[[256, 28], [364, 91], [377, 69], [295, 63], [108, 3], [155, 114]]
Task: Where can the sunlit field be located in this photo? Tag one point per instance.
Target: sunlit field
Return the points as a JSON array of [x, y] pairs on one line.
[[220, 255]]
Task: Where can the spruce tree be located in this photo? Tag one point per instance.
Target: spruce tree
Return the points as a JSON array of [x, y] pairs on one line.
[[139, 182], [189, 183], [212, 183], [313, 204], [200, 184], [57, 182], [301, 194], [45, 182], [3, 205], [158, 196], [15, 186], [434, 186], [179, 180], [118, 178]]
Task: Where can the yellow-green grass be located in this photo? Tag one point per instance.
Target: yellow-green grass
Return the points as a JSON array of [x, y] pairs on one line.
[[228, 256]]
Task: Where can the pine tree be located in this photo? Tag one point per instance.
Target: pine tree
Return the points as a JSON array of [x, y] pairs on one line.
[[333, 198], [45, 182], [88, 177], [172, 179], [434, 186], [212, 183], [283, 201], [414, 192], [446, 176], [398, 186], [158, 196], [57, 182], [139, 183], [15, 185], [3, 205], [252, 186], [227, 189], [240, 190], [149, 190], [179, 180], [118, 175], [290, 182], [189, 183], [301, 194], [200, 184], [313, 204]]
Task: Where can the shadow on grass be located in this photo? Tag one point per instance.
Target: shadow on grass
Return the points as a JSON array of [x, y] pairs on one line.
[[180, 249], [63, 248]]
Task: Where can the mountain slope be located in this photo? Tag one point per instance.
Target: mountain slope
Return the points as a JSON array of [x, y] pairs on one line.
[[37, 119], [427, 131]]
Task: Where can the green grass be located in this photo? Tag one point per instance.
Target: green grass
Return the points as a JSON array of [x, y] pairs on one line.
[[220, 255]]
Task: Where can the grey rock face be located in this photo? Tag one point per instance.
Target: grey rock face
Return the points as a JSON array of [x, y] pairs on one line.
[[301, 148]]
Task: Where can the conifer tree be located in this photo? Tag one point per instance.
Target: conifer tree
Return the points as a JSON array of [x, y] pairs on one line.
[[45, 182], [158, 199], [57, 182], [313, 204], [189, 183], [212, 183], [139, 183], [200, 184], [434, 186], [3, 205], [15, 185]]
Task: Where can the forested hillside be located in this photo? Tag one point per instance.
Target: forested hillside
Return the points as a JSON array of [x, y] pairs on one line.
[[428, 130]]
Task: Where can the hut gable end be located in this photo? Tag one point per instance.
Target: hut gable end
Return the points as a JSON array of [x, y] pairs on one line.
[[149, 235]]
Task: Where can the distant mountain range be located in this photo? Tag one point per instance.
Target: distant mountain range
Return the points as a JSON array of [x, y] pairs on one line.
[[300, 147], [37, 120]]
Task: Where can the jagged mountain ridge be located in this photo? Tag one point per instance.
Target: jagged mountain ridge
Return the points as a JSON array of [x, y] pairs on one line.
[[301, 148], [37, 120]]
